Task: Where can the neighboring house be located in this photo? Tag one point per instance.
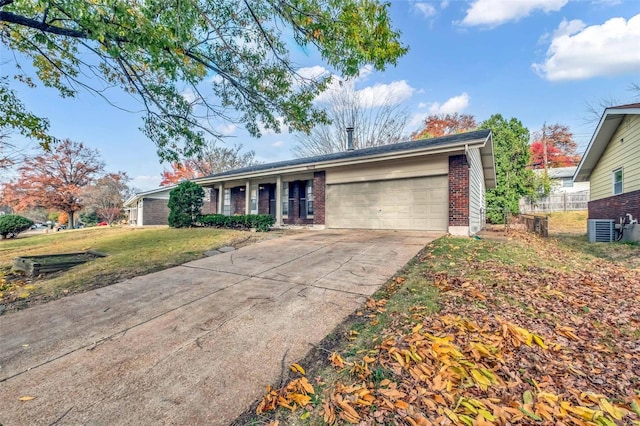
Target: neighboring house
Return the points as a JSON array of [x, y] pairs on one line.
[[564, 195], [561, 179], [150, 207], [611, 164], [433, 184]]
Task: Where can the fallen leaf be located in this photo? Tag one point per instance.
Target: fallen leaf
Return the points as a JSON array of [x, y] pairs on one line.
[[296, 368]]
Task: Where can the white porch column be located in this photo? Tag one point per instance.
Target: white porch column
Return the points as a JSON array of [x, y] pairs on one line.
[[247, 196], [221, 198], [278, 201]]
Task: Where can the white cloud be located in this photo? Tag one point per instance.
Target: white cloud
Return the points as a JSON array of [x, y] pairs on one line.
[[365, 72], [277, 144], [580, 52], [146, 183], [417, 121], [422, 105], [444, 4], [426, 9], [497, 12], [226, 129], [313, 72], [385, 94], [455, 104], [189, 95]]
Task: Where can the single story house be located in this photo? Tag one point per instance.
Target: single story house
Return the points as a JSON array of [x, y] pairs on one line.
[[150, 207], [611, 164], [432, 184]]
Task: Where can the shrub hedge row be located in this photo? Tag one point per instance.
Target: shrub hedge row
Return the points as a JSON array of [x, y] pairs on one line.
[[261, 222]]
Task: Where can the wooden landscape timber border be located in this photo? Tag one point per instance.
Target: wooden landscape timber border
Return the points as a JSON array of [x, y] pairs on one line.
[[36, 265], [537, 224]]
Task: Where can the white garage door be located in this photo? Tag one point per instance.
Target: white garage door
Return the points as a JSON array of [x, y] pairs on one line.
[[416, 203]]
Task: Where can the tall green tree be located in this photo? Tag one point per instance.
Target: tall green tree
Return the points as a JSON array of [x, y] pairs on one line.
[[189, 63], [512, 157]]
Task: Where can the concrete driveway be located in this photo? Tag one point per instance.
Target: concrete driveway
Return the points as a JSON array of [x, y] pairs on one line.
[[194, 344]]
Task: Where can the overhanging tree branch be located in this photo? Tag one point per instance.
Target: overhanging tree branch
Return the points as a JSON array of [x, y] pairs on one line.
[[12, 18]]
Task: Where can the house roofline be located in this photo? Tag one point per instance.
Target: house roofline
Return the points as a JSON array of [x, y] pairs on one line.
[[478, 139], [607, 126], [135, 197], [481, 139]]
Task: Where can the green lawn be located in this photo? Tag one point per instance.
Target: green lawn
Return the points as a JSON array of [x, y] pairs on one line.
[[131, 252]]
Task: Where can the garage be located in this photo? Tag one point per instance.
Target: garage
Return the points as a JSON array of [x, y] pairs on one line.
[[419, 203]]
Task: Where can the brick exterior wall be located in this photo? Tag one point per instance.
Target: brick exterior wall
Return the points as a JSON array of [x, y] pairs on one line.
[[238, 202], [319, 186], [616, 206], [458, 191], [155, 211], [211, 206]]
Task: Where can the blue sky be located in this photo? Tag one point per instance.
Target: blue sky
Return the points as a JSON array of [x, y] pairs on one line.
[[536, 60]]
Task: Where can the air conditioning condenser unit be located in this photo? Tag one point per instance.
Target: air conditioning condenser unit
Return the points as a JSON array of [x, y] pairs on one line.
[[600, 230]]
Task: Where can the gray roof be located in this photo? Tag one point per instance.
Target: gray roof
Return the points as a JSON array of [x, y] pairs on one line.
[[558, 172], [377, 150]]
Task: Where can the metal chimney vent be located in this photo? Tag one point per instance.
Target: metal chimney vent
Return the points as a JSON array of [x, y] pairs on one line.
[[350, 138]]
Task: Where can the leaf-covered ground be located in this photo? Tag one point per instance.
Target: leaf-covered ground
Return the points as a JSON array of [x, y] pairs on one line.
[[519, 331]]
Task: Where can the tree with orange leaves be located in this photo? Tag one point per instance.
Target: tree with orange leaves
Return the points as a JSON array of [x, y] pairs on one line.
[[179, 172], [214, 159], [553, 146], [54, 179], [437, 125]]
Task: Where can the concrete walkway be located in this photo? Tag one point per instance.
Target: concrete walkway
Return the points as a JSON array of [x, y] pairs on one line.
[[194, 344]]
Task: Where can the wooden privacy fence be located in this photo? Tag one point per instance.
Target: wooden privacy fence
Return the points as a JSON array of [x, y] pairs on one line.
[[563, 202], [536, 224]]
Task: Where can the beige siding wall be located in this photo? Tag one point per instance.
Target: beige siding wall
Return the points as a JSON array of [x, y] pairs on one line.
[[619, 154], [395, 169], [476, 191]]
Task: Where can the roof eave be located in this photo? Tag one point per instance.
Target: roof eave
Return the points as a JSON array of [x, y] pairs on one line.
[[607, 126], [488, 163], [301, 168], [135, 197]]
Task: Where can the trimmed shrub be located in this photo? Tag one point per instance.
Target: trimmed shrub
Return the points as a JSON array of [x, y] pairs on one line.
[[185, 201], [261, 222], [12, 224]]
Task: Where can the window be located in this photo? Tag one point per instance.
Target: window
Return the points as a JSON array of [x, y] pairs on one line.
[[617, 181], [285, 199], [310, 198], [226, 204], [253, 202], [567, 182]]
